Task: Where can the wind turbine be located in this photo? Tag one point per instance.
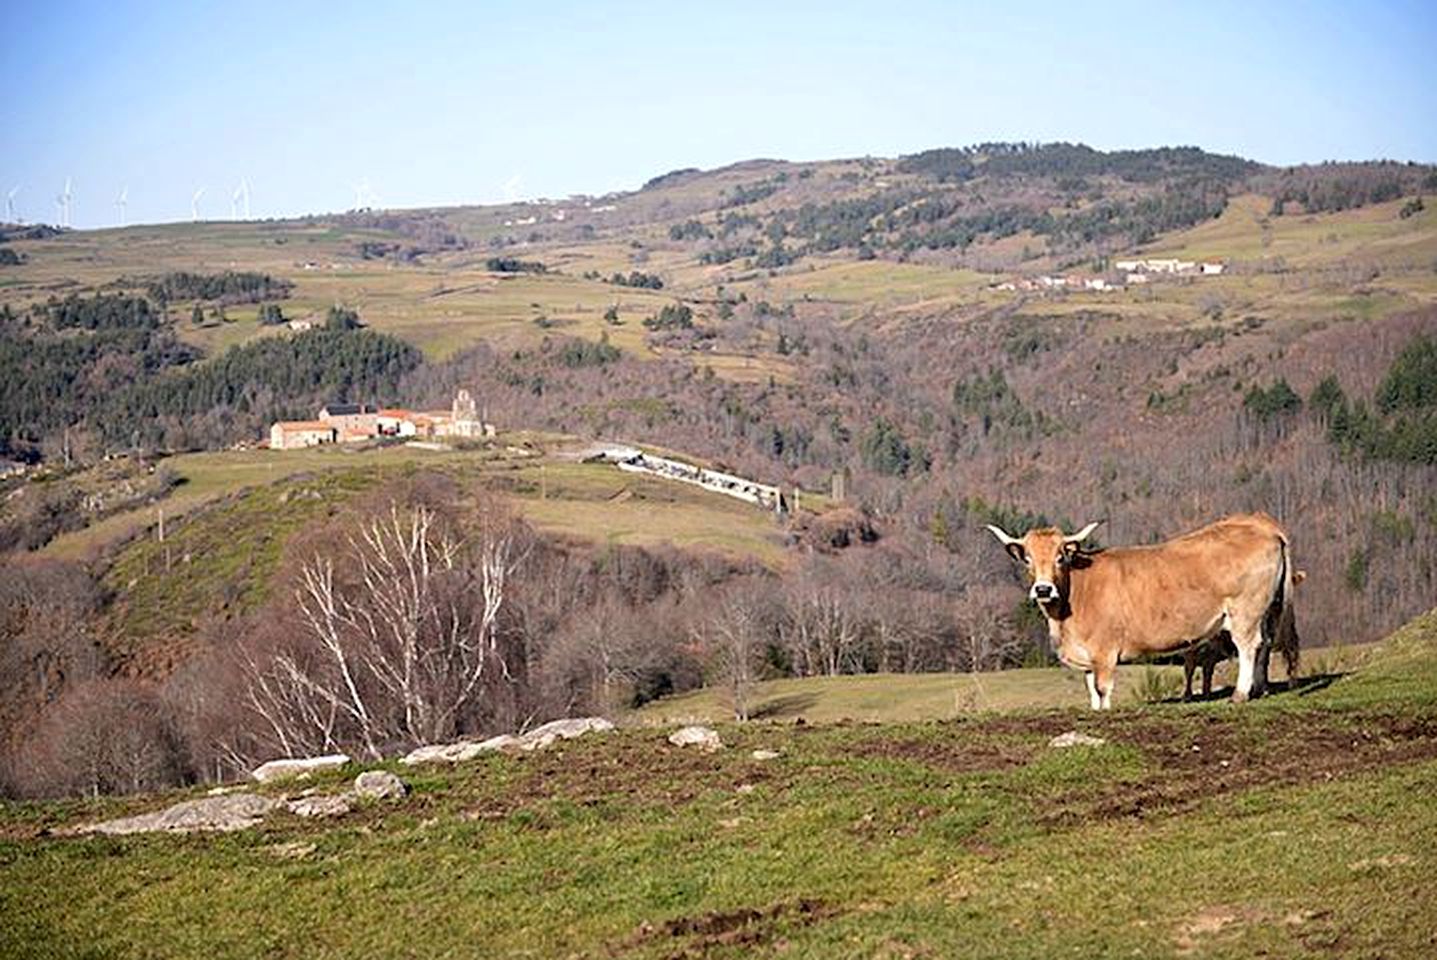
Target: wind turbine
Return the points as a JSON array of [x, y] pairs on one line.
[[122, 201], [10, 205], [363, 195], [63, 201], [195, 204], [241, 193]]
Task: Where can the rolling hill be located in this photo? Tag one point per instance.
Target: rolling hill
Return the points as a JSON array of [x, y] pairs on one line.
[[926, 334]]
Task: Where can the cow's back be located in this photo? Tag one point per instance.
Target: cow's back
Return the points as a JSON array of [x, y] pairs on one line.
[[1161, 597]]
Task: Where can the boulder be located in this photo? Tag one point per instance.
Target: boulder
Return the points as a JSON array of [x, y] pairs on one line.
[[765, 754], [705, 738], [458, 751], [379, 785], [543, 736], [232, 811], [322, 805], [1075, 739], [536, 739], [296, 767]]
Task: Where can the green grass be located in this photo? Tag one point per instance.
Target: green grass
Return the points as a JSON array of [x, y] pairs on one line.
[[1292, 826], [907, 697], [223, 563]]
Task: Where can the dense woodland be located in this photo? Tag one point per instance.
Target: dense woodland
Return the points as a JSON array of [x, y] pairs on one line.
[[227, 287], [107, 373]]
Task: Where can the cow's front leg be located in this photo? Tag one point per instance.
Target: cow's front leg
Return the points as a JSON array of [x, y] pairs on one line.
[[1095, 699], [1105, 675]]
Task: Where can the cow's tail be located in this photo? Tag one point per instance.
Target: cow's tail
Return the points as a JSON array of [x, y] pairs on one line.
[[1284, 634]]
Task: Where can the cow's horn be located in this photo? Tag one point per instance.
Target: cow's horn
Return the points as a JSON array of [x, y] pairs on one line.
[[1003, 538], [1082, 534]]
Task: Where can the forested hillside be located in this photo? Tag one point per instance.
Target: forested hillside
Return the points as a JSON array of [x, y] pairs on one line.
[[944, 339], [108, 372]]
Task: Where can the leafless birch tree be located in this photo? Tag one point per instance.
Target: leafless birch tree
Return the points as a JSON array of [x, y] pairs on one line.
[[395, 642]]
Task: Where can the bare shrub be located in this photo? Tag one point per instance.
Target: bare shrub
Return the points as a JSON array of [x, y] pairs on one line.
[[102, 736], [47, 645]]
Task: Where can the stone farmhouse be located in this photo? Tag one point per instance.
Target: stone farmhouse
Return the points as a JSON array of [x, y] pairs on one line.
[[351, 421], [354, 422], [296, 434]]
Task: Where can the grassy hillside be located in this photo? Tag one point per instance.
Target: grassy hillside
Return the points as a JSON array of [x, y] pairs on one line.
[[229, 520], [1293, 826], [550, 490], [796, 323], [444, 298]]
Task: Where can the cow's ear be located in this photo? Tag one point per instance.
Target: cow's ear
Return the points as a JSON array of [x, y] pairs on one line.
[[1016, 551], [1071, 548]]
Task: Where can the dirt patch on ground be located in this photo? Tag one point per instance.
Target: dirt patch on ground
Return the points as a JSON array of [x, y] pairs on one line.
[[1191, 759], [749, 927], [628, 771], [960, 755], [1196, 931], [1045, 724]]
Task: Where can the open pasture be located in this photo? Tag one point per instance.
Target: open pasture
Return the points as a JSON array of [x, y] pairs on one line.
[[1292, 826]]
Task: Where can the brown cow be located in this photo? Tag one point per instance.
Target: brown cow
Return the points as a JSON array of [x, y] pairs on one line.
[[1208, 655], [1110, 605]]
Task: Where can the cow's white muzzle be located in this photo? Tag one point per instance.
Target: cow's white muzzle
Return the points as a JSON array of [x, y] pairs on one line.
[[1043, 592]]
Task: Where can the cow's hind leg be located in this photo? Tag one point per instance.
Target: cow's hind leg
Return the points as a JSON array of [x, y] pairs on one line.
[[1247, 637], [1190, 663], [1259, 669]]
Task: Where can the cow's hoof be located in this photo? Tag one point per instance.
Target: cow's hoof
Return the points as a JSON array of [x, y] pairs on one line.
[[1239, 697]]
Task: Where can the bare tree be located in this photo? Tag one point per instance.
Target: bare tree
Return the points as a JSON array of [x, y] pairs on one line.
[[821, 629], [397, 641], [737, 633]]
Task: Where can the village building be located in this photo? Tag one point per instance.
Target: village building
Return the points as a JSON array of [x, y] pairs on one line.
[[298, 434], [464, 419], [353, 421], [760, 494], [398, 423]]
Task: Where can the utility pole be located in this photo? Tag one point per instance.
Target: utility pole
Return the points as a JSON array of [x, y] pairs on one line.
[[162, 538]]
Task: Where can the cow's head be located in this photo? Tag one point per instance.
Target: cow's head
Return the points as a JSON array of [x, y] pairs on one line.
[[1048, 554]]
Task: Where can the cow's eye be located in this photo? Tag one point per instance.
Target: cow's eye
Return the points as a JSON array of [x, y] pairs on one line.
[[1062, 559]]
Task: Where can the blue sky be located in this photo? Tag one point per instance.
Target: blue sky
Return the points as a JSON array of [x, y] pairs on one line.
[[446, 103]]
